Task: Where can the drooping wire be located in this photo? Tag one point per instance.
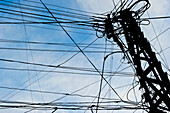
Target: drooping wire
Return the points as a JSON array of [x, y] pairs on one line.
[[165, 60], [53, 69], [101, 81], [65, 7], [79, 48], [41, 9], [26, 38]]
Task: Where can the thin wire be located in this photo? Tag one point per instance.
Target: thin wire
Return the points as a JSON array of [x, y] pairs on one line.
[[56, 9], [51, 43], [101, 81], [27, 39], [62, 97], [50, 26], [79, 48], [34, 22], [111, 70], [54, 67], [164, 20], [165, 60], [109, 79], [160, 34], [68, 26], [114, 4], [59, 93], [83, 25], [61, 14], [155, 18], [51, 50], [90, 73], [65, 8]]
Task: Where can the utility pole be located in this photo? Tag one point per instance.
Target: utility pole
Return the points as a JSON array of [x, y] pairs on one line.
[[154, 82]]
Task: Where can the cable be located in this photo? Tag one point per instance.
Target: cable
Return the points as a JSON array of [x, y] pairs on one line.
[[49, 50], [27, 39], [49, 20], [155, 18], [159, 34], [50, 43], [58, 14], [64, 7], [28, 15], [54, 10], [55, 29], [31, 22], [50, 26], [110, 78], [78, 47], [55, 93], [101, 81], [165, 60], [51, 70], [40, 9], [90, 73], [75, 107]]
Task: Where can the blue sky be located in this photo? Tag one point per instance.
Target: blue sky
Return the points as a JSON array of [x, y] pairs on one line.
[[74, 74]]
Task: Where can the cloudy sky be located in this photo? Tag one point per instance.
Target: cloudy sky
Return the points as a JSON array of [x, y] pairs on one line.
[[40, 63]]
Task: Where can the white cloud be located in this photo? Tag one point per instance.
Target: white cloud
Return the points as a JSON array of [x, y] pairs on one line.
[[97, 6]]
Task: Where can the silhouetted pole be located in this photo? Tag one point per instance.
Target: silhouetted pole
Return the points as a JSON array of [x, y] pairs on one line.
[[153, 80]]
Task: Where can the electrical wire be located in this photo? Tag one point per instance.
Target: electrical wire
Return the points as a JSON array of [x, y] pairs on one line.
[[155, 18], [41, 9], [79, 48], [94, 46], [53, 9], [51, 70], [64, 105], [64, 7]]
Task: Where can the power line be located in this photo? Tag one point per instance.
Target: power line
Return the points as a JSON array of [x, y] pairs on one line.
[[31, 22], [55, 93], [79, 48], [43, 19], [66, 94], [65, 7], [52, 43], [52, 70], [37, 7], [155, 18], [120, 74], [51, 50], [46, 65]]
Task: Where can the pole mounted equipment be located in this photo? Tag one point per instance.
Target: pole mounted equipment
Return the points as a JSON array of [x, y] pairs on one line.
[[154, 82]]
